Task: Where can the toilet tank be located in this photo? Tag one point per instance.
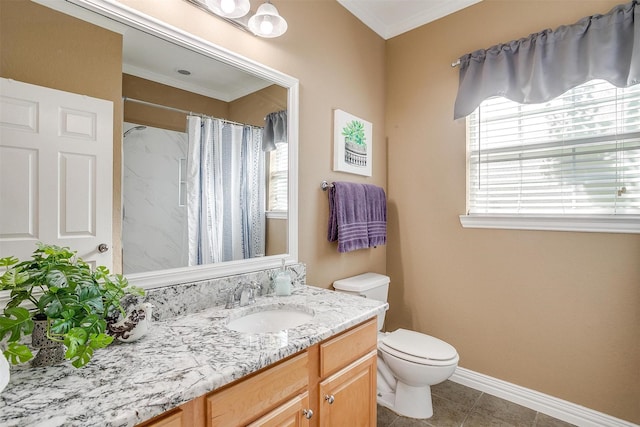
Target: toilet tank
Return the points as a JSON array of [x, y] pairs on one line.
[[368, 285]]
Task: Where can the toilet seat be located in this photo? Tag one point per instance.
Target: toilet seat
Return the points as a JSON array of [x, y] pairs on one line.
[[418, 348]]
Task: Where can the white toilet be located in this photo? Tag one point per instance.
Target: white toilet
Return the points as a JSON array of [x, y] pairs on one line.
[[409, 362]]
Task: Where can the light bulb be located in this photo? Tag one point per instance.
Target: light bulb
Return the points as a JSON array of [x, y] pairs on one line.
[[228, 6], [267, 22], [266, 27]]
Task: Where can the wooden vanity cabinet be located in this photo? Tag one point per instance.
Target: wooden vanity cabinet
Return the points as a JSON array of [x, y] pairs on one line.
[[347, 380], [329, 384]]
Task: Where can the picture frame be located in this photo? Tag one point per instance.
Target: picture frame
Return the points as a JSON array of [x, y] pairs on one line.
[[352, 144]]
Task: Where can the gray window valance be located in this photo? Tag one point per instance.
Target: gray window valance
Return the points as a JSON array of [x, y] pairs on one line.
[[546, 64], [275, 130]]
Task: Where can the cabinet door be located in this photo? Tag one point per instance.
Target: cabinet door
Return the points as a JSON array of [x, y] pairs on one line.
[[348, 398], [191, 414], [174, 419], [294, 413]]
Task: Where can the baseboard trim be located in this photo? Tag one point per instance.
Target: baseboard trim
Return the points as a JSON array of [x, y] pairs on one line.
[[557, 408]]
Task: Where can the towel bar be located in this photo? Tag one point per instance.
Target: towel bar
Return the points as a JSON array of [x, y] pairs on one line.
[[325, 185]]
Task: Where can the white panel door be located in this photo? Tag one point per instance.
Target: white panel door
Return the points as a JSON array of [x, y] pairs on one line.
[[56, 164]]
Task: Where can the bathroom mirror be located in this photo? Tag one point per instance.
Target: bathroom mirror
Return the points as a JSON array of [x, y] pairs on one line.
[[244, 79]]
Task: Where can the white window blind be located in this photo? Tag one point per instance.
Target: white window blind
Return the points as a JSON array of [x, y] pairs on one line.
[[278, 173], [578, 154]]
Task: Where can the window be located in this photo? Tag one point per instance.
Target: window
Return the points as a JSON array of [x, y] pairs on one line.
[[278, 173], [575, 156]]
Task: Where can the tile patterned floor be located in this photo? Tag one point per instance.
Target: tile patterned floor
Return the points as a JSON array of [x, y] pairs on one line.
[[455, 405]]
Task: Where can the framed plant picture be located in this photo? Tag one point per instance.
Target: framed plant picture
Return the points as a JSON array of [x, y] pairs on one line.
[[352, 144]]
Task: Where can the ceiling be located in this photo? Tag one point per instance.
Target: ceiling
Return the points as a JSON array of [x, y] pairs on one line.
[[152, 58], [389, 18]]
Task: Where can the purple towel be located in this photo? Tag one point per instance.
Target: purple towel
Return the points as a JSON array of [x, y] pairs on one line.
[[357, 216], [376, 215], [348, 216]]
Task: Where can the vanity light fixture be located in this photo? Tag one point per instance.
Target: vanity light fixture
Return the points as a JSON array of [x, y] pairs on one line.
[[229, 8], [267, 22]]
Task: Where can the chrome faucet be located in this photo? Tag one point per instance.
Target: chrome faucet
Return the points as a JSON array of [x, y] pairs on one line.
[[244, 294]]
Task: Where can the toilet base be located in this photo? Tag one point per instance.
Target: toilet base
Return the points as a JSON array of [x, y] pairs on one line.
[[408, 401]]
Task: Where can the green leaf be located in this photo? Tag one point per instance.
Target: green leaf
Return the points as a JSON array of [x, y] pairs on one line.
[[56, 278], [83, 356], [93, 324], [13, 278], [91, 298], [75, 340], [101, 272], [133, 290], [8, 261], [17, 321], [17, 353], [68, 319], [18, 296], [54, 251], [100, 341], [53, 302]]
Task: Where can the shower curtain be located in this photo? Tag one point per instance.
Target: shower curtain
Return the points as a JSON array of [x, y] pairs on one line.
[[225, 191]]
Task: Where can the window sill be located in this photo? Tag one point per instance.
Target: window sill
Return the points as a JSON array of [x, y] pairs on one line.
[[596, 224], [276, 214]]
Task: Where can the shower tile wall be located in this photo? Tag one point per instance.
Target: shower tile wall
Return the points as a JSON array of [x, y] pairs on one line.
[[154, 219]]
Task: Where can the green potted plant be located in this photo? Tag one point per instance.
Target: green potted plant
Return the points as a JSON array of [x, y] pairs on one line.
[[61, 292]]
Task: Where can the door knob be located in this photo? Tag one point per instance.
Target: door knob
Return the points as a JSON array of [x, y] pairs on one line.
[[329, 398], [103, 247]]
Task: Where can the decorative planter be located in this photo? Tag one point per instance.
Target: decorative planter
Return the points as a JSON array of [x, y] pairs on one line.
[[50, 352], [355, 154]]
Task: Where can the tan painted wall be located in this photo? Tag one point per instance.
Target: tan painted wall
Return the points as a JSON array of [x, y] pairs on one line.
[[252, 109], [557, 312], [340, 64], [60, 52], [157, 93], [276, 233]]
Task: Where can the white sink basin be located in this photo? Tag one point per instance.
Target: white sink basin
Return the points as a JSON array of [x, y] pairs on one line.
[[270, 320]]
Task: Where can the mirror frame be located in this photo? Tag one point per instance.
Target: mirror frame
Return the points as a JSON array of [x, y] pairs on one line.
[[134, 18]]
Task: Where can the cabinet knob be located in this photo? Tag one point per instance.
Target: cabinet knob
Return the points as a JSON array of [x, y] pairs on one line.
[[308, 413], [329, 398]]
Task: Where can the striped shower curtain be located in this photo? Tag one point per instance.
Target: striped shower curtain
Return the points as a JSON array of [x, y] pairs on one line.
[[225, 191]]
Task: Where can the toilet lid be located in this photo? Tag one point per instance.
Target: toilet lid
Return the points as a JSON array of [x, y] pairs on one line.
[[419, 345]]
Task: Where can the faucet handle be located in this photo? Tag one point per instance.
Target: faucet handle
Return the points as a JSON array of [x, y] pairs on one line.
[[234, 295], [257, 287], [246, 294]]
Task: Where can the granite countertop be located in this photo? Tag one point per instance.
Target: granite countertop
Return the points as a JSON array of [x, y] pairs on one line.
[[178, 360]]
